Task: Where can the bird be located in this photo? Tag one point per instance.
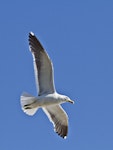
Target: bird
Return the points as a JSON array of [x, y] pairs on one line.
[[48, 98]]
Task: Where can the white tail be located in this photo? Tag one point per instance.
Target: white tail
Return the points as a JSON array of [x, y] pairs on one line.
[[28, 104]]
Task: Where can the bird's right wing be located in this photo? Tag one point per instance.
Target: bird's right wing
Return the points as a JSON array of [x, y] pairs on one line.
[[42, 66]]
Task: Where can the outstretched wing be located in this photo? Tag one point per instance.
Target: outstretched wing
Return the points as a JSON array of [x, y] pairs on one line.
[[59, 118], [42, 66]]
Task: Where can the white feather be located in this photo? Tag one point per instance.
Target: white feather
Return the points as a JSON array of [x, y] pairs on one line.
[[27, 104]]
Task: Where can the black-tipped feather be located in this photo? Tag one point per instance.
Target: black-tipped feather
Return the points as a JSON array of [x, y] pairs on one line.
[[42, 66], [59, 118]]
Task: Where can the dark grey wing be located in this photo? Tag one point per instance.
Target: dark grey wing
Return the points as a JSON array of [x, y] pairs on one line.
[[42, 66], [59, 118]]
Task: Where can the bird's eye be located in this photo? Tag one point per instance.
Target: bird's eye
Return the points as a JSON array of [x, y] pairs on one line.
[[66, 98]]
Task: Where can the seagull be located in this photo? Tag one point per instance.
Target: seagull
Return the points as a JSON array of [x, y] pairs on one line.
[[48, 99]]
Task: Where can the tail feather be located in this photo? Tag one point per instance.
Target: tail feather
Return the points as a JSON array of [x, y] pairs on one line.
[[28, 104]]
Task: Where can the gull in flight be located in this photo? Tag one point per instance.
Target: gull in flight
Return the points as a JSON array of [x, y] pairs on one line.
[[48, 99]]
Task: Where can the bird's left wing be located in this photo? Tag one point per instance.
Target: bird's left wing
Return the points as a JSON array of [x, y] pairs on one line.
[[59, 118]]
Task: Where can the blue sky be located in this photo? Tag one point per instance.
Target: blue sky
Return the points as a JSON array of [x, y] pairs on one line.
[[78, 36]]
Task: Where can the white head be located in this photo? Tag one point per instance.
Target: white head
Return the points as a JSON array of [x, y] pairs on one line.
[[67, 99]]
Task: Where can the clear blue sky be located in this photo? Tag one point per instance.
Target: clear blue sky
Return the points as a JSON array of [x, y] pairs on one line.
[[78, 35]]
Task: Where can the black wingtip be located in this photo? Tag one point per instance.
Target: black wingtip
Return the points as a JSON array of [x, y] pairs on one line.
[[31, 34], [63, 132], [32, 37], [34, 43]]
